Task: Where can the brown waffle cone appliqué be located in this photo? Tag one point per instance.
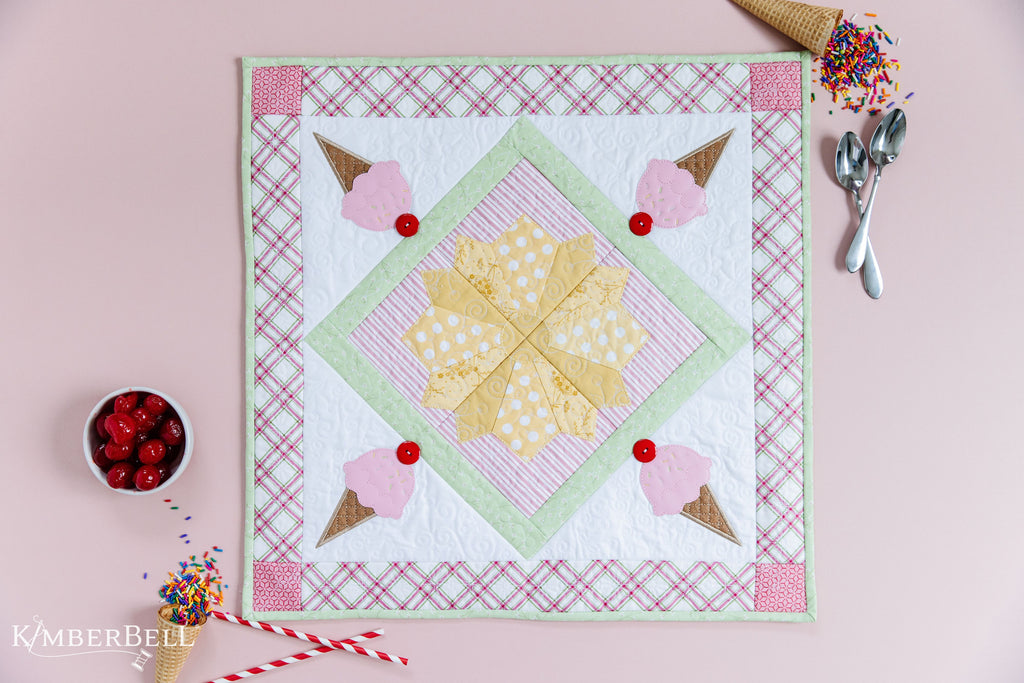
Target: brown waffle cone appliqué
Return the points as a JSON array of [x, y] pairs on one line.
[[706, 512], [349, 514], [809, 25], [174, 645], [345, 164], [701, 162]]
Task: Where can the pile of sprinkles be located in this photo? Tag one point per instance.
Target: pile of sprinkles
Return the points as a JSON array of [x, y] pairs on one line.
[[193, 590], [854, 61]]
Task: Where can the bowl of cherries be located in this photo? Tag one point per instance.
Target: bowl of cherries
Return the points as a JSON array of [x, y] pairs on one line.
[[137, 440]]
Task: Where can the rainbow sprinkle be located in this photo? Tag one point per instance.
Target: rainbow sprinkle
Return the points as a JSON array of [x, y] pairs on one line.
[[193, 590], [854, 61]]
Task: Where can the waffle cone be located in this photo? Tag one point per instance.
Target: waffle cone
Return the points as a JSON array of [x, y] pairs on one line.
[[702, 161], [809, 25], [174, 645], [347, 515], [706, 512], [345, 164]]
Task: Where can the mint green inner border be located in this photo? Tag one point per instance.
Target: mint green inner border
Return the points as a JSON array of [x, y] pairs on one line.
[[247, 608], [330, 338], [250, 344]]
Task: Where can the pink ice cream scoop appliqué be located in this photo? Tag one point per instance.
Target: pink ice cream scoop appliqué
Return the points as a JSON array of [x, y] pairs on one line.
[[381, 482], [669, 194], [674, 478], [378, 197]]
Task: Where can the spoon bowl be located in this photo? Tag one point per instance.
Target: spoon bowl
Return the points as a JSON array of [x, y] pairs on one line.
[[887, 140], [851, 164]]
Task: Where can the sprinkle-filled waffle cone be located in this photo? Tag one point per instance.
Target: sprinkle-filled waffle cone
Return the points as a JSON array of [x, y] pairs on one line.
[[809, 25], [174, 645], [345, 164], [348, 515], [701, 162], [706, 512]]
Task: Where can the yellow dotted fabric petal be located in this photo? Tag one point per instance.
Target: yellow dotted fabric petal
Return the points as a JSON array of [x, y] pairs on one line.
[[525, 254], [574, 260], [525, 421], [449, 289], [449, 387], [603, 285], [607, 335], [441, 338], [573, 413], [476, 415], [476, 262]]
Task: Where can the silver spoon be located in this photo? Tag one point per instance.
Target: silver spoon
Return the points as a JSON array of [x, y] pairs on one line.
[[886, 144], [851, 172]]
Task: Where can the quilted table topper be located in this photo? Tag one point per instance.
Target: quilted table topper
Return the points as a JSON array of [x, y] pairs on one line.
[[528, 338]]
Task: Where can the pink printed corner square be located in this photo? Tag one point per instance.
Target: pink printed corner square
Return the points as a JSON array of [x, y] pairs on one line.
[[277, 586], [775, 86], [780, 588], [277, 90]]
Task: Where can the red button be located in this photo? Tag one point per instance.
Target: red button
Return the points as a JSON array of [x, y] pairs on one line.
[[407, 225], [408, 452], [643, 450], [640, 224]]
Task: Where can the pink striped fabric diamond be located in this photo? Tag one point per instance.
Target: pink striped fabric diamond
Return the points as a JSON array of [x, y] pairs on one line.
[[526, 484]]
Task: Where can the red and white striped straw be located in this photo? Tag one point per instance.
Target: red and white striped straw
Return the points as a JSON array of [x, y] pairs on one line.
[[278, 663], [337, 644]]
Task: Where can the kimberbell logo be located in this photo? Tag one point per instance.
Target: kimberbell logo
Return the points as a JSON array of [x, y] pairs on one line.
[[71, 642]]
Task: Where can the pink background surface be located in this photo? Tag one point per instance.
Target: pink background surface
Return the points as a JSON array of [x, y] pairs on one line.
[[122, 263]]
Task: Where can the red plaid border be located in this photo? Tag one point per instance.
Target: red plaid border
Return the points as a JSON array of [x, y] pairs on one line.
[[518, 89], [277, 295], [547, 586], [778, 335]]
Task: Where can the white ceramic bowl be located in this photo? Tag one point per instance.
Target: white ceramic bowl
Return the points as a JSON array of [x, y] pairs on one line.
[[90, 439]]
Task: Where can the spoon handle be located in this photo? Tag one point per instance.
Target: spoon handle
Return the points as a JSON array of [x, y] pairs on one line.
[[859, 246], [872, 274]]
